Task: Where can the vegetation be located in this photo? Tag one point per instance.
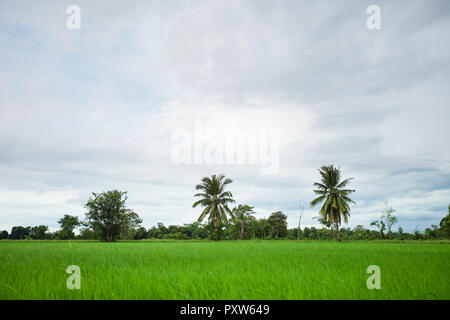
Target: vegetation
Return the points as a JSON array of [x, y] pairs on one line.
[[68, 223], [109, 219], [335, 198], [224, 270], [444, 230], [215, 200], [108, 216]]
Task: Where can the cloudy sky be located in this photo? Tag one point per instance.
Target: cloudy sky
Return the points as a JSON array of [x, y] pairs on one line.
[[102, 107]]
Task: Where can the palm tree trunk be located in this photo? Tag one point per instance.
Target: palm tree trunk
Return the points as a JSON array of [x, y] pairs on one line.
[[338, 235]]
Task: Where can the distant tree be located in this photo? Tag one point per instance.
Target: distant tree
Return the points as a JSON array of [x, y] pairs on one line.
[[108, 216], [336, 199], [243, 218], [141, 233], [263, 228], [278, 224], [401, 234], [444, 225], [380, 225], [20, 233], [39, 232], [360, 233], [417, 233], [431, 233], [215, 200], [4, 235], [68, 223], [87, 234], [389, 218]]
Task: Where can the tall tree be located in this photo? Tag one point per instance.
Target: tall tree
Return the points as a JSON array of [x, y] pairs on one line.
[[68, 223], [243, 218], [380, 225], [389, 218], [444, 225], [336, 199], [19, 232], [39, 232], [108, 216], [4, 234], [215, 200], [278, 224]]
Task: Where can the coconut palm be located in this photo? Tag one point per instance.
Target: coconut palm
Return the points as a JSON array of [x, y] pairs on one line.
[[215, 200], [336, 206]]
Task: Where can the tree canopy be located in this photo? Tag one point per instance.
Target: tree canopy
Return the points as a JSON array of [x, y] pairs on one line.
[[108, 216], [215, 199], [335, 198]]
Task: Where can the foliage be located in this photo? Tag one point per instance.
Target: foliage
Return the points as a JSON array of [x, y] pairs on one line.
[[108, 216], [444, 225], [244, 220], [215, 200], [380, 225], [335, 198], [68, 223], [389, 218]]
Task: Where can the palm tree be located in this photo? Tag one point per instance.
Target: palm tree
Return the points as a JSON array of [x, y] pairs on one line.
[[215, 200], [336, 206]]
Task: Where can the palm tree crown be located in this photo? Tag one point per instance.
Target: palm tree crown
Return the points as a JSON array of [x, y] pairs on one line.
[[331, 190], [215, 200]]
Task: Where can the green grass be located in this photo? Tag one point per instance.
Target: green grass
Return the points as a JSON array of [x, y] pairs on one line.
[[224, 270]]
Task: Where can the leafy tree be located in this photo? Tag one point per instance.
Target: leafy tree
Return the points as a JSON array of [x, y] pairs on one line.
[[278, 224], [87, 234], [336, 199], [401, 233], [263, 228], [108, 216], [243, 218], [444, 225], [380, 225], [39, 232], [360, 233], [19, 232], [4, 234], [68, 223], [431, 233], [417, 233], [140, 233], [215, 200], [389, 217]]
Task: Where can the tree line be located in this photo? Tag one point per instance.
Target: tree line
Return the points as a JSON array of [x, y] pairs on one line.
[[108, 219]]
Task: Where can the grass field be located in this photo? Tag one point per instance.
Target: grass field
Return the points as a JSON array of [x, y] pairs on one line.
[[224, 270]]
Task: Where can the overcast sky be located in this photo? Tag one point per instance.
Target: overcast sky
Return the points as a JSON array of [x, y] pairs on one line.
[[97, 108]]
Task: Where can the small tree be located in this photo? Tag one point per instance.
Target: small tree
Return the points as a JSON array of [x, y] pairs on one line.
[[68, 223], [243, 218], [389, 218], [278, 224], [108, 216], [444, 225], [380, 225]]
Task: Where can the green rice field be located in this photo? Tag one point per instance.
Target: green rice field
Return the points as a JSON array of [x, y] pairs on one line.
[[267, 270]]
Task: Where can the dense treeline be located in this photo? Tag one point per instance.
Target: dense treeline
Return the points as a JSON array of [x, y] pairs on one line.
[[108, 218], [273, 227]]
